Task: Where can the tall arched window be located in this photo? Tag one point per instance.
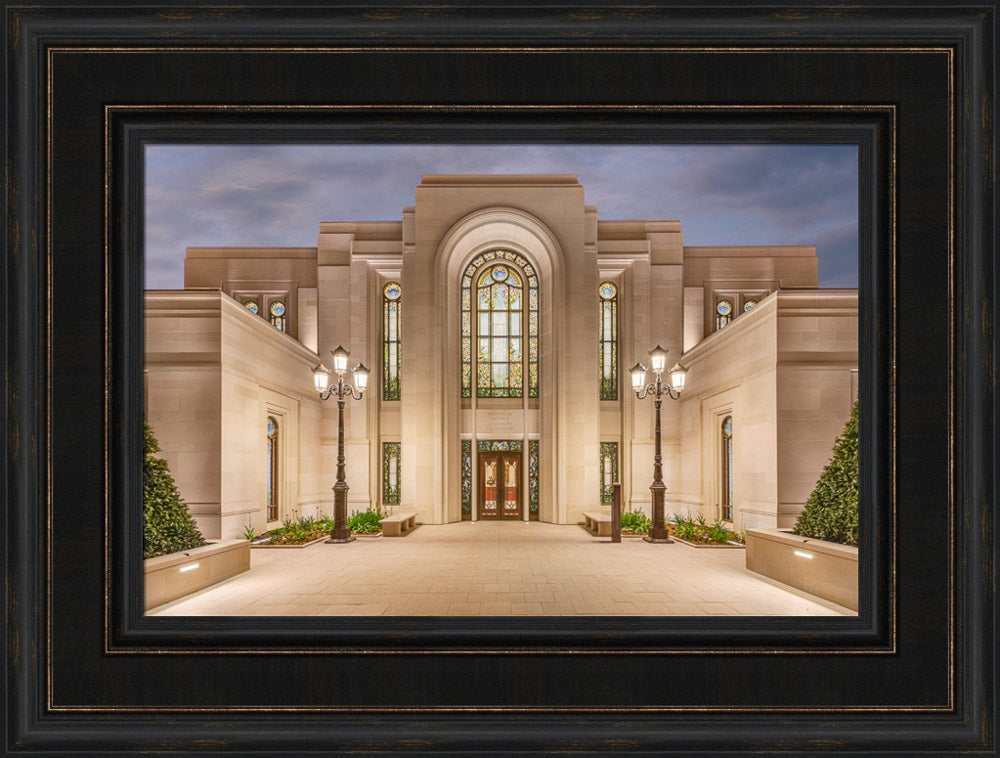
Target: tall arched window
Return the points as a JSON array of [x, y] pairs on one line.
[[277, 311], [392, 311], [608, 345], [723, 313], [727, 468], [272, 469], [499, 359], [499, 299]]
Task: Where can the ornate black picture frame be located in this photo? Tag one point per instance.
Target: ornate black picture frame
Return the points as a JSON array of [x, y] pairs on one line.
[[88, 86]]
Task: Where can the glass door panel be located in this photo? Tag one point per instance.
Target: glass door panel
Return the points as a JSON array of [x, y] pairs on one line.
[[511, 487], [489, 476], [499, 485]]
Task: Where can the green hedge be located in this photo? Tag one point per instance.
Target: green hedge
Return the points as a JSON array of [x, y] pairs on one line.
[[831, 512], [167, 527]]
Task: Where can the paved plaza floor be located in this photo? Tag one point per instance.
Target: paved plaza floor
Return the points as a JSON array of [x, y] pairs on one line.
[[499, 569]]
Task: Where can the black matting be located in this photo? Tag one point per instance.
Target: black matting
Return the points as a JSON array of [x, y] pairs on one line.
[[87, 86]]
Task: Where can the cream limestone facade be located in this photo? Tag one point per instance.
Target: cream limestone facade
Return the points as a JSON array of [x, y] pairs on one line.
[[784, 372]]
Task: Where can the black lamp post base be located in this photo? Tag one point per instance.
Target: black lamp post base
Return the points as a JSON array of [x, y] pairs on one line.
[[339, 540]]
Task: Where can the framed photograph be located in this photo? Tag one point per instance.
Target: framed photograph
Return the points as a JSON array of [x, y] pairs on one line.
[[457, 425]]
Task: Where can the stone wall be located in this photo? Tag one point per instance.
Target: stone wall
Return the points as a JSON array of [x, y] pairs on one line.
[[215, 372]]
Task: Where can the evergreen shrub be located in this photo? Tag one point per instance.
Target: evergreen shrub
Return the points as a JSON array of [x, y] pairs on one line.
[[167, 527], [831, 512]]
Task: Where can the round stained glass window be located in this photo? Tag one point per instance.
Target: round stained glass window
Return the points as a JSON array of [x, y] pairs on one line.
[[748, 305], [277, 308], [392, 291], [499, 273], [727, 426], [724, 308], [251, 306], [271, 427], [607, 290]]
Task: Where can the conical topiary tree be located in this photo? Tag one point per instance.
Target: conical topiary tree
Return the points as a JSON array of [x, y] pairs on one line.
[[831, 512], [167, 527]]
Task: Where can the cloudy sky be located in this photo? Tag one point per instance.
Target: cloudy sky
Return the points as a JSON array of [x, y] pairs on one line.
[[228, 195]]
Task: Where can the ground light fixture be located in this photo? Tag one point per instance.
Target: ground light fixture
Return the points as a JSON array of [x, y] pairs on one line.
[[678, 374], [340, 532]]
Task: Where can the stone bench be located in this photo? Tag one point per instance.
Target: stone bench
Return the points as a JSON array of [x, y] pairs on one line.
[[598, 524], [398, 525]]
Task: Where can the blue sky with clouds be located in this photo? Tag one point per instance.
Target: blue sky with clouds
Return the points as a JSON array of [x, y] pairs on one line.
[[245, 195]]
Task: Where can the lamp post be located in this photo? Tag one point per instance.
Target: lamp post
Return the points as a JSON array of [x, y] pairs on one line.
[[321, 375], [658, 356]]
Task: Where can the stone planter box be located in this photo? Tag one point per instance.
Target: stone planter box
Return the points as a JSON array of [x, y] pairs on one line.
[[825, 569], [169, 577], [723, 545], [269, 546]]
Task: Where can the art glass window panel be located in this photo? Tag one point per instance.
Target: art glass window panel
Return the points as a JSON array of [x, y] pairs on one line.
[[490, 486], [272, 469], [392, 343], [493, 446], [467, 476], [727, 468], [608, 469], [251, 305], [391, 473], [277, 311], [748, 305], [533, 449], [499, 301], [511, 483], [608, 340], [723, 313]]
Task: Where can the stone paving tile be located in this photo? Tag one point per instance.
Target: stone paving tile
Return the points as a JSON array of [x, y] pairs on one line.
[[495, 569]]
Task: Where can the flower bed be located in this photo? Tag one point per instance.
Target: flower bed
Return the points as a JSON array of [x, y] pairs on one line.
[[635, 524], [699, 533], [294, 532]]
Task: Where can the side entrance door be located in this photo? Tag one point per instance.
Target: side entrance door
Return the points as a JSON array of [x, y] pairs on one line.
[[499, 486]]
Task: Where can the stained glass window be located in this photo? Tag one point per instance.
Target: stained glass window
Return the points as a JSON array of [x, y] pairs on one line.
[[609, 469], [499, 300], [466, 477], [277, 311], [723, 313], [251, 305], [391, 472], [272, 469], [533, 477], [608, 343], [499, 446], [499, 358], [392, 348], [748, 304], [727, 468]]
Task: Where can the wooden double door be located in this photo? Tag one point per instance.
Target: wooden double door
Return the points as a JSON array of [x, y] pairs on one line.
[[499, 486]]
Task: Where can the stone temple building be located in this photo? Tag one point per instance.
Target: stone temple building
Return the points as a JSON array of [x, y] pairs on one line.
[[499, 317]]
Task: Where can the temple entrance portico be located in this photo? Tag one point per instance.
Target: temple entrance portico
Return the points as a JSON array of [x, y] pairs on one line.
[[498, 315]]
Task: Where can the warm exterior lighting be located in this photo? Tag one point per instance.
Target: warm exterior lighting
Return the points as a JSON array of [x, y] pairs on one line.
[[361, 377], [340, 532], [658, 357], [340, 356], [658, 529], [638, 372], [678, 375], [800, 554], [321, 376], [189, 567]]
